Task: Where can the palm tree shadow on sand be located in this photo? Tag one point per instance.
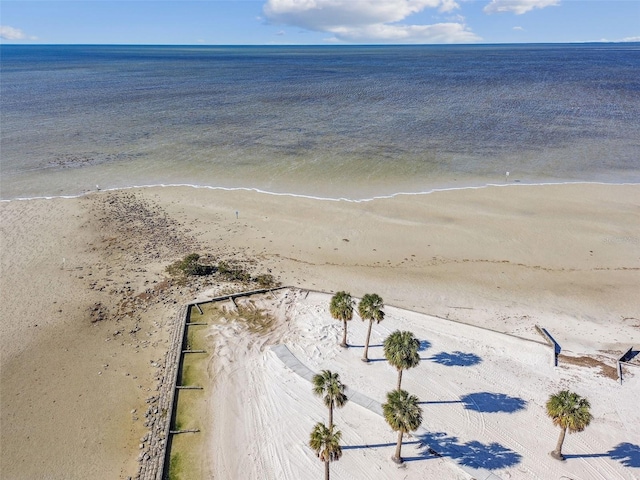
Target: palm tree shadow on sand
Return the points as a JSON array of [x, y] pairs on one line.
[[491, 456], [486, 402], [456, 359], [439, 402], [626, 453], [377, 445]]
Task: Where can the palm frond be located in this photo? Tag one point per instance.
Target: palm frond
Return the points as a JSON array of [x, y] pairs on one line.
[[341, 306], [402, 411], [401, 350], [370, 307], [327, 385], [325, 441], [569, 410]]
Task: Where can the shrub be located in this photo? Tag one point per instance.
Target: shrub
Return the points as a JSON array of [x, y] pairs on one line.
[[265, 280], [189, 266], [232, 273]]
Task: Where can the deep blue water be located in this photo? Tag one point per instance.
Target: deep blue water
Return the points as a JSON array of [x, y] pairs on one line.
[[332, 121]]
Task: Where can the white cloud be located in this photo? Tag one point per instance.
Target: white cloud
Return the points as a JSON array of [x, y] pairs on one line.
[[437, 33], [10, 33], [626, 39], [518, 28], [369, 20], [518, 6]]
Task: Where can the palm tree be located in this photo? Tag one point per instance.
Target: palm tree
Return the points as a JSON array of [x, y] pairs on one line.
[[568, 410], [370, 308], [403, 414], [341, 308], [329, 385], [401, 350], [326, 444]]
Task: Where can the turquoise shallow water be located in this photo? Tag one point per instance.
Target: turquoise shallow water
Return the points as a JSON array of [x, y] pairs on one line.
[[351, 122]]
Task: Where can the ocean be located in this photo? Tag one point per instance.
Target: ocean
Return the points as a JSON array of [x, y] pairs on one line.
[[349, 122]]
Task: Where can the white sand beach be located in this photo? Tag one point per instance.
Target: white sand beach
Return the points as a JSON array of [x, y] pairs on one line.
[[87, 313], [482, 394]]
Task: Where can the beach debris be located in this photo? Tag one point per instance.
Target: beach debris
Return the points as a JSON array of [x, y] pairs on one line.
[[98, 312]]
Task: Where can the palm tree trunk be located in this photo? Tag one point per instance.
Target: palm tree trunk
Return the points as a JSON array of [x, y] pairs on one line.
[[331, 415], [365, 357], [399, 378], [326, 470], [557, 453], [344, 335], [397, 457]]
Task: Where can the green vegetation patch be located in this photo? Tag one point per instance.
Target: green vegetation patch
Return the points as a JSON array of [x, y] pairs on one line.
[[186, 453], [194, 369], [187, 449], [196, 339], [189, 266], [188, 406], [233, 273], [194, 314], [175, 466], [193, 265]]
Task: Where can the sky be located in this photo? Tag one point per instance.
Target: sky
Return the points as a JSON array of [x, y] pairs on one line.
[[317, 22]]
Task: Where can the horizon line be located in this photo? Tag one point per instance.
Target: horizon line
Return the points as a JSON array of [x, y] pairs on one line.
[[575, 42]]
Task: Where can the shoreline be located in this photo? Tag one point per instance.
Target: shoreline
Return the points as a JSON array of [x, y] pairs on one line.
[[313, 197]]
